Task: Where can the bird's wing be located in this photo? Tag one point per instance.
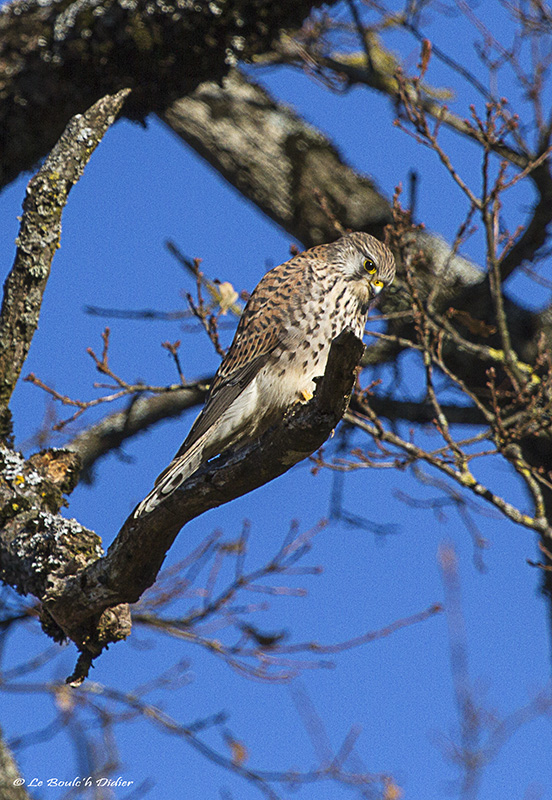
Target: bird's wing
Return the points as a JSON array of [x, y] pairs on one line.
[[221, 399], [264, 324]]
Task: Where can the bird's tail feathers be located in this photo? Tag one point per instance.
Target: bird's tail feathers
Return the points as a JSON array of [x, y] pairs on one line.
[[172, 477]]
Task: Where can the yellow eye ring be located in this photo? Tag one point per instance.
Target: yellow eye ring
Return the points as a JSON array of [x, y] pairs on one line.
[[369, 266]]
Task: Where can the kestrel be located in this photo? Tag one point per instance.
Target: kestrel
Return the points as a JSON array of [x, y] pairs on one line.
[[281, 346]]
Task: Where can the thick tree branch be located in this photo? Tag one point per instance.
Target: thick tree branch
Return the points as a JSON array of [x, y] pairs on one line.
[[421, 412], [276, 160], [10, 787], [40, 232], [57, 58], [290, 170], [99, 440], [135, 557], [38, 547], [34, 540], [536, 232], [109, 434]]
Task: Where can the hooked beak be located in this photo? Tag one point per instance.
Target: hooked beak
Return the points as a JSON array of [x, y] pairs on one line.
[[375, 289]]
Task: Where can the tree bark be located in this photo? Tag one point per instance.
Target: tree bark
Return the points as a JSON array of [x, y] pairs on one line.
[[40, 232], [11, 785], [58, 58]]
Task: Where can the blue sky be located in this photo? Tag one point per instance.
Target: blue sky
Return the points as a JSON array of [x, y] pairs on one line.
[[141, 188]]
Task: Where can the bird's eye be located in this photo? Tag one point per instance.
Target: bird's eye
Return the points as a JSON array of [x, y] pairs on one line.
[[369, 266]]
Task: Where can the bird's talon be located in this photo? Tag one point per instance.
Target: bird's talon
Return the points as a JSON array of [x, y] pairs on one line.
[[306, 395]]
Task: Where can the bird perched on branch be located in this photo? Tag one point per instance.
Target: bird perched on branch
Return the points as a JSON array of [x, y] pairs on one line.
[[281, 346]]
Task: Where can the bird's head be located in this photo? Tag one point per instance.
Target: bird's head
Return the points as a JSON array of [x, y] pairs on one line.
[[366, 262]]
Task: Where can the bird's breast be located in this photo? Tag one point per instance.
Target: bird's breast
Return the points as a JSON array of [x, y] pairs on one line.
[[290, 374]]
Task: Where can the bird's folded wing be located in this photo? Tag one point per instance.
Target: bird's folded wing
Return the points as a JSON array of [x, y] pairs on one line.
[[264, 326], [221, 398]]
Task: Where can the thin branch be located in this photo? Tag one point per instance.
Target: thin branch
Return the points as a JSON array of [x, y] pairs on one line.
[[385, 82], [462, 477], [213, 287], [111, 432]]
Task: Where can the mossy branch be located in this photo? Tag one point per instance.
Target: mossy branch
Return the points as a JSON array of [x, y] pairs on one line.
[[39, 235]]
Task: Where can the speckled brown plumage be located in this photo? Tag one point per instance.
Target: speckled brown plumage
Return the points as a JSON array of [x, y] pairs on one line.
[[281, 346]]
